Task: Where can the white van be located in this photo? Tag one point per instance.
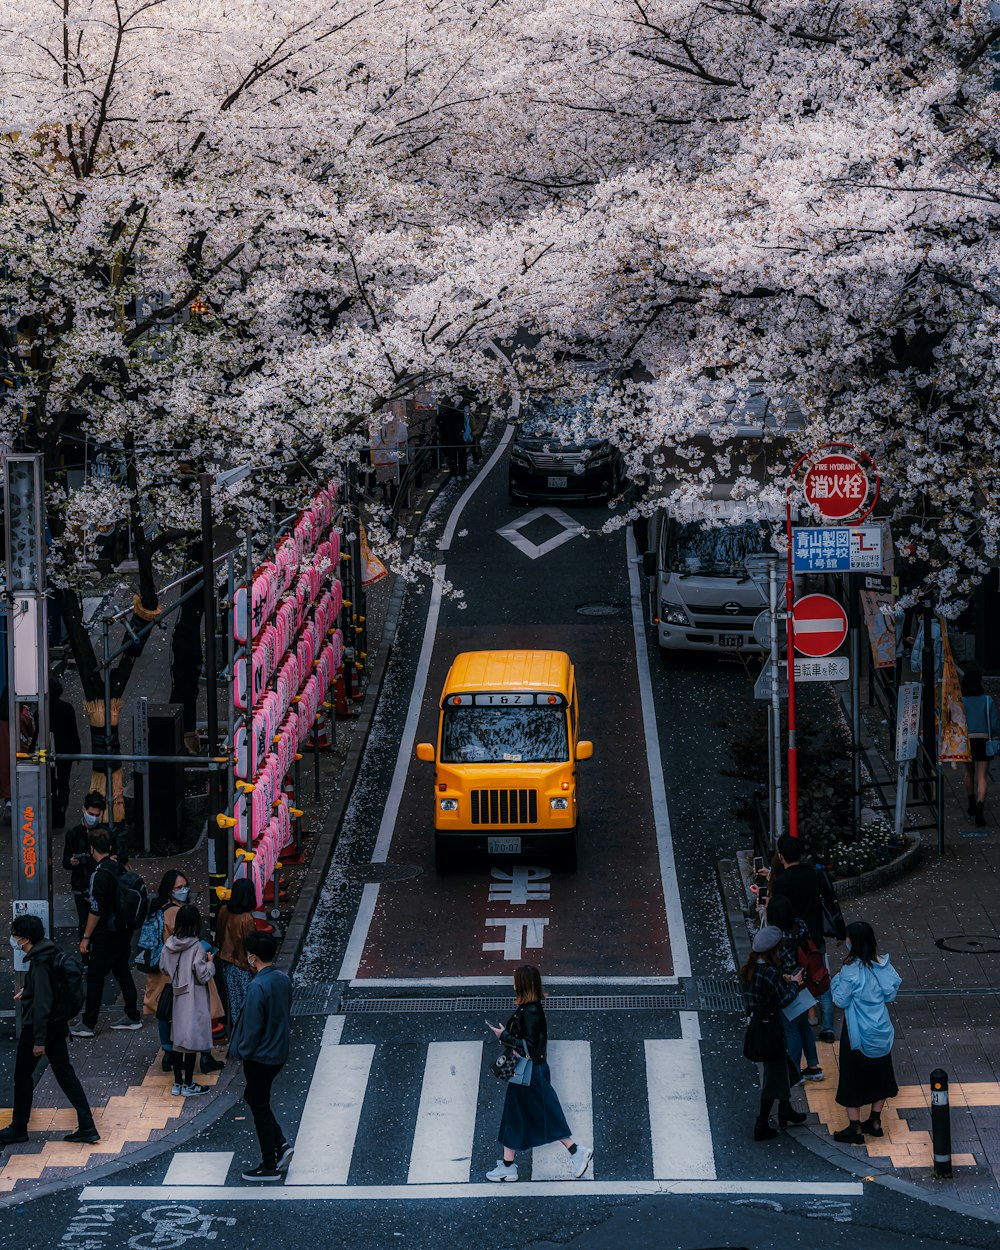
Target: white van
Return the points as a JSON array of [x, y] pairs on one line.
[[711, 579]]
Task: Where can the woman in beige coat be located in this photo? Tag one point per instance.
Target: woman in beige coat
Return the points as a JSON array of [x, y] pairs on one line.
[[188, 967]]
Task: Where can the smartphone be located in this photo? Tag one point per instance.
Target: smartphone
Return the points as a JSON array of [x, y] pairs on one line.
[[762, 892], [758, 864]]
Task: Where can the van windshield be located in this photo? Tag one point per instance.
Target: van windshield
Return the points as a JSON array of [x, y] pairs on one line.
[[716, 551], [504, 735]]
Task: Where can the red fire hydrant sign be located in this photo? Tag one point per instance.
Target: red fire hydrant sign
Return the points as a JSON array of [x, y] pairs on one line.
[[836, 486]]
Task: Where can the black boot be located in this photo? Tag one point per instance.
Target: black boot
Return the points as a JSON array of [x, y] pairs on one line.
[[980, 817], [762, 1130], [788, 1115]]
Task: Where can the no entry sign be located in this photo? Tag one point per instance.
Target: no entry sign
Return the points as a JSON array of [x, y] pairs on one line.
[[837, 486], [820, 625]]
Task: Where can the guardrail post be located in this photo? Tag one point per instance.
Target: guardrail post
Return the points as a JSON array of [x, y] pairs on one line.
[[940, 1123]]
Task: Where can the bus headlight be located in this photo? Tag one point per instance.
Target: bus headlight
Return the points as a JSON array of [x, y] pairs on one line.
[[449, 805], [558, 805]]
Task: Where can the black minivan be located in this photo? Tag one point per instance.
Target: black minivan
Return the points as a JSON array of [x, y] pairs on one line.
[[543, 467]]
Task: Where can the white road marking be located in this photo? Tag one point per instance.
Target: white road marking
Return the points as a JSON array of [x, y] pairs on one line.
[[446, 1119], [325, 1141], [678, 1113], [425, 1193], [199, 1167], [477, 481], [571, 1079], [333, 1030], [690, 1026], [402, 983], [661, 815], [512, 532]]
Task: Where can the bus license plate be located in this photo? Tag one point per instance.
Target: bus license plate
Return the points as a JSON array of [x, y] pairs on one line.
[[556, 482], [503, 846], [730, 640]]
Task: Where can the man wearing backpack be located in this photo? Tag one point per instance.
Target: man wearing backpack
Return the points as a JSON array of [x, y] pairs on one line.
[[52, 982], [107, 939]]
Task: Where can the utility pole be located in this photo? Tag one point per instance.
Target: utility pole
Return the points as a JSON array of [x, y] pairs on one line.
[[218, 837]]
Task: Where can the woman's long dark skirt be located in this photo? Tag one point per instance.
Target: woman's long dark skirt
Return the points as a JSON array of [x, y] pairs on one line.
[[532, 1115]]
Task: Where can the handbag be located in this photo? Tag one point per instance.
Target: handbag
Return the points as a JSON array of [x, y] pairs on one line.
[[764, 1039], [522, 1072], [813, 964], [992, 741]]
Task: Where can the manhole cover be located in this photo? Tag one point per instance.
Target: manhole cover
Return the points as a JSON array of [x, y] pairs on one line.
[[376, 874], [598, 608], [971, 944]]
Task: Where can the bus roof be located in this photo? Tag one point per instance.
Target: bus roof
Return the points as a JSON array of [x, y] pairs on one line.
[[509, 670]]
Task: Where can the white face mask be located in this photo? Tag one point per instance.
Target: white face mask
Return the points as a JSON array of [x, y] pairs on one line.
[[181, 893], [848, 943], [15, 943], [90, 820]]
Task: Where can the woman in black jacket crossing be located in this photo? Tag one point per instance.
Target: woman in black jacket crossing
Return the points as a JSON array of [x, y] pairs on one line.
[[532, 1115]]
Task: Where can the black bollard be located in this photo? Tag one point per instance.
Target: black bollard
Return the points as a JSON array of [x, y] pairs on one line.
[[941, 1122]]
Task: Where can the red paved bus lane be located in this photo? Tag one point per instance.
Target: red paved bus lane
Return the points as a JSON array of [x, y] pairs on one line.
[[607, 920]]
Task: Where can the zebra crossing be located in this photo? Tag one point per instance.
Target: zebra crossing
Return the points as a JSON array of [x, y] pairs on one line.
[[447, 1110]]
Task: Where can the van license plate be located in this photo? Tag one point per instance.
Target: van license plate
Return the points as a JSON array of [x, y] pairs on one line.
[[503, 846], [730, 640], [556, 482]]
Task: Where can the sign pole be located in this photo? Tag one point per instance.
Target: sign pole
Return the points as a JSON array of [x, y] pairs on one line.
[[27, 686], [777, 826], [854, 614], [793, 750]]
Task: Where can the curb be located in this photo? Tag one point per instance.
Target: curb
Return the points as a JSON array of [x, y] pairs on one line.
[[727, 874]]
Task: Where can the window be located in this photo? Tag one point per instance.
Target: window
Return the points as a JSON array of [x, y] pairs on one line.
[[508, 735]]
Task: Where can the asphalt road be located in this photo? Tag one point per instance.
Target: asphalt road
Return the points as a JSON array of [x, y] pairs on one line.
[[390, 1101]]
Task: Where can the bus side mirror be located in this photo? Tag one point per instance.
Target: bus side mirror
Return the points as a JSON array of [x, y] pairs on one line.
[[649, 563], [425, 752], [584, 750]]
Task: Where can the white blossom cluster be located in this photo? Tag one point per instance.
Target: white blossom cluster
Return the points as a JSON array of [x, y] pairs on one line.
[[233, 230]]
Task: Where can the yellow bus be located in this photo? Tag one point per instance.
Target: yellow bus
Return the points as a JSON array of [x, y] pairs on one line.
[[507, 746]]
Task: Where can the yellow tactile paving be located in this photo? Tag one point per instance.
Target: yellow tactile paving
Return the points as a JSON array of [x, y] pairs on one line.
[[129, 1117], [902, 1146]]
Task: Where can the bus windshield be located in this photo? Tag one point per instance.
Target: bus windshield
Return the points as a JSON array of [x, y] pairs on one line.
[[504, 735], [719, 551]]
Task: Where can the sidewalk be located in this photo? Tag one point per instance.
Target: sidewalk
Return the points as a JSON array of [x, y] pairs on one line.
[[120, 1071], [941, 927]]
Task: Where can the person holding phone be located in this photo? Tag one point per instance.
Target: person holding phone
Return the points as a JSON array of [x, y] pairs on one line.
[[532, 1115]]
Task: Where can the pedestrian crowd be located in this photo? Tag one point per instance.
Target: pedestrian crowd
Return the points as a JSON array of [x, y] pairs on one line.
[[787, 987], [120, 929]]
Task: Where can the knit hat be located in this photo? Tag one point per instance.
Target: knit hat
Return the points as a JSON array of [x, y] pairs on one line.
[[766, 938]]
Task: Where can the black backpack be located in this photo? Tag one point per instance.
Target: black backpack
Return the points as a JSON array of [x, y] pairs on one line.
[[132, 905], [70, 984]]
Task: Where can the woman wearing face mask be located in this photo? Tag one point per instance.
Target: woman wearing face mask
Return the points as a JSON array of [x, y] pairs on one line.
[[189, 968], [174, 893], [863, 987]]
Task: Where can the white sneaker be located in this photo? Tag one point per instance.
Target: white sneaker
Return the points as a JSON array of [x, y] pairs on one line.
[[581, 1160], [175, 1089], [193, 1090], [80, 1030], [503, 1172], [126, 1024]]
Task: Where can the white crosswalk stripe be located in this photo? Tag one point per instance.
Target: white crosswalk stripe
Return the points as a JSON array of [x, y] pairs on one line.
[[674, 1123]]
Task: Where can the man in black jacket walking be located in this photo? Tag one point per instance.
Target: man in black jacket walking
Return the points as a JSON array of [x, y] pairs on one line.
[[76, 856], [106, 942], [808, 888], [44, 1031]]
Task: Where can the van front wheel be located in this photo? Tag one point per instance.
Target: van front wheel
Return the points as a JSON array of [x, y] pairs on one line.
[[568, 853], [444, 858]]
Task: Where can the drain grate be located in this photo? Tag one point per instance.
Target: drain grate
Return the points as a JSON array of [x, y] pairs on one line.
[[718, 995], [316, 1000]]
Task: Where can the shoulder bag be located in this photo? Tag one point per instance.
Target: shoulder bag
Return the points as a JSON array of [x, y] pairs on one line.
[[764, 1039], [165, 1003], [992, 740], [816, 978]]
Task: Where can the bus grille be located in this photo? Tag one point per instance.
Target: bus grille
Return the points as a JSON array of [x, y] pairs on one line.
[[504, 807]]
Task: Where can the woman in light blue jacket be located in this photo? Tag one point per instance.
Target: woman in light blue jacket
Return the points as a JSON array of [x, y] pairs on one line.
[[984, 729], [863, 987]]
